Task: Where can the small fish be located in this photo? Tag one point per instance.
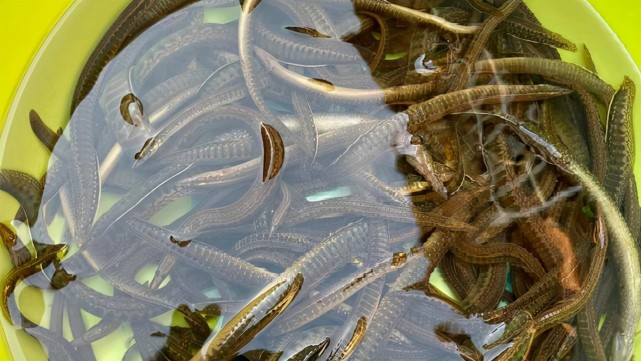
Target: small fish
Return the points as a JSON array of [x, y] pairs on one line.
[[29, 268], [47, 137], [26, 189], [241, 328], [273, 151], [311, 352], [307, 31], [137, 16], [144, 148], [342, 352], [131, 110]]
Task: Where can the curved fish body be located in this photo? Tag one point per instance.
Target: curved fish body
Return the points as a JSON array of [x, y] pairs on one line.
[[137, 16], [239, 330]]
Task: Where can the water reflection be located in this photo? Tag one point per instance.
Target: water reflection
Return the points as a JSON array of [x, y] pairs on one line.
[[249, 190]]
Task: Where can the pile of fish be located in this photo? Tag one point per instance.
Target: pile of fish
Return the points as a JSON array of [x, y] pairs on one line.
[[332, 180]]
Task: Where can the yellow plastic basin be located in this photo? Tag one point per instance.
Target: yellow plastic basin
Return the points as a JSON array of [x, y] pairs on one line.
[[43, 45]]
